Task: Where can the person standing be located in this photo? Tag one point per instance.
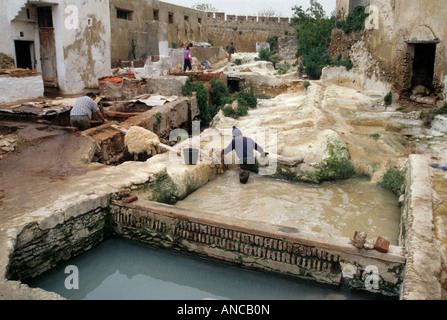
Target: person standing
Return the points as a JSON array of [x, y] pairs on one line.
[[230, 50], [188, 59], [82, 111], [245, 148]]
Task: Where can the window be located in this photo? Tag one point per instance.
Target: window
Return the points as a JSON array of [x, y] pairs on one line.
[[170, 17], [156, 17], [200, 20], [44, 17], [124, 14]]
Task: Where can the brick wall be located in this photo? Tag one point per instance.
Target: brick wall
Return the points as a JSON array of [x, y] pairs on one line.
[[257, 245]]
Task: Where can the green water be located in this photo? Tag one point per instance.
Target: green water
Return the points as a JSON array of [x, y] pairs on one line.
[[120, 269]]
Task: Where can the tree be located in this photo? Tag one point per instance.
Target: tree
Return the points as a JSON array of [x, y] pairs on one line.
[[314, 30], [269, 13], [207, 7]]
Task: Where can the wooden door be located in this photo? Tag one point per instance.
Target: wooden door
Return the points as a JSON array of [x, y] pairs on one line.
[[48, 56]]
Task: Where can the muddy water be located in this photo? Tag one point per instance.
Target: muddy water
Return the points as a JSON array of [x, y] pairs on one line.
[[339, 208]]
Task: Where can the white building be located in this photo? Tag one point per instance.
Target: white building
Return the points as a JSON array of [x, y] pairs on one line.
[[66, 41]]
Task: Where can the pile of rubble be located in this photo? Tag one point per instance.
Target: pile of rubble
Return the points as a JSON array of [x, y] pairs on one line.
[[8, 144]]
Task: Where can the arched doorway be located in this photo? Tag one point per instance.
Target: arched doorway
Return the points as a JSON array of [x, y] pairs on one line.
[[422, 52]]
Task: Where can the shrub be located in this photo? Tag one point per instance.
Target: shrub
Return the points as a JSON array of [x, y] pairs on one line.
[[314, 62], [218, 92], [247, 99], [284, 67], [354, 21], [388, 99], [394, 180], [306, 84], [187, 88], [206, 113], [238, 62]]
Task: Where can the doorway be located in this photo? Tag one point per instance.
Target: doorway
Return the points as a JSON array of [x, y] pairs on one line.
[[47, 46], [424, 65], [24, 54]]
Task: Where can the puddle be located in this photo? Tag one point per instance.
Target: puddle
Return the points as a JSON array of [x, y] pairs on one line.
[[335, 208]]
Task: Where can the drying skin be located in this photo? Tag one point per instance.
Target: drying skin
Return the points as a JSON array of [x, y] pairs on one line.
[[139, 140]]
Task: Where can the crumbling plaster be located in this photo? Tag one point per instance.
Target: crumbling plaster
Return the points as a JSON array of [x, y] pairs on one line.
[[83, 52], [389, 29], [398, 21], [146, 30]]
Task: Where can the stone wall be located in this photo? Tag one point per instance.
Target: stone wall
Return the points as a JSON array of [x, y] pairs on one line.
[[39, 249], [393, 29], [244, 31], [273, 248], [424, 265], [111, 147]]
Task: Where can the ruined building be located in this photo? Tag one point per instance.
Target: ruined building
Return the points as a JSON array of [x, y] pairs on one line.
[[69, 44], [403, 44]]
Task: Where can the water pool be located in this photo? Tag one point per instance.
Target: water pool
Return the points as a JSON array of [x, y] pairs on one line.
[[127, 270], [336, 208]]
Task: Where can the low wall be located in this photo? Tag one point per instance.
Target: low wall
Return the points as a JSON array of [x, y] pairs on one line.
[[38, 249], [24, 87], [111, 148], [424, 265], [312, 256]]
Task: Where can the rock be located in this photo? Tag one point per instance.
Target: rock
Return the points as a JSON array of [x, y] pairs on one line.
[[419, 90], [131, 198], [369, 245], [425, 100], [359, 239], [382, 245]]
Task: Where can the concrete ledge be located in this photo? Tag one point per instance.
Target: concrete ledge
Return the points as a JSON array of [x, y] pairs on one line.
[[424, 265], [312, 256]]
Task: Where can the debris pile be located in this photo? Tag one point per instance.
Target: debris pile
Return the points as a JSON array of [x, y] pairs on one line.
[[359, 241], [8, 144]]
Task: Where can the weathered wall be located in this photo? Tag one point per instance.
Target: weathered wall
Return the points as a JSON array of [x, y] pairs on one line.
[[146, 31], [253, 244], [39, 249], [83, 53], [424, 265], [244, 31], [391, 31], [19, 88], [82, 39]]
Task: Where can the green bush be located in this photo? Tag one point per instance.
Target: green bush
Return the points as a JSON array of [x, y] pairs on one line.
[[354, 21], [347, 63], [306, 84], [218, 92], [388, 99], [187, 88], [394, 180], [247, 99], [206, 111], [284, 67], [266, 55], [314, 62]]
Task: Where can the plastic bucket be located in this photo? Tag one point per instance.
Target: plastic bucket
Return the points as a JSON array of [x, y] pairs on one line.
[[191, 155]]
